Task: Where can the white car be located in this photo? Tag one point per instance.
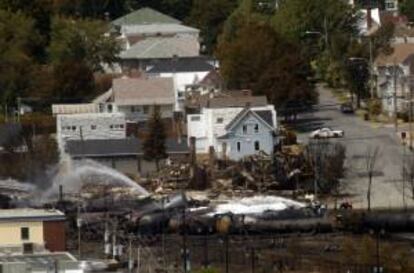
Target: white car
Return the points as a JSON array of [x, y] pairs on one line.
[[327, 133]]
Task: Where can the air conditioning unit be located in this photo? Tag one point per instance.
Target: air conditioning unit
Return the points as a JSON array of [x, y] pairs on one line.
[[28, 248]]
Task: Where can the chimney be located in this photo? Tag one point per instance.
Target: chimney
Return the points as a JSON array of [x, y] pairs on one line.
[[369, 17]]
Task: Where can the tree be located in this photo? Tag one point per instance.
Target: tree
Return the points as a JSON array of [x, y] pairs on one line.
[[371, 157], [275, 70], [17, 36], [73, 80], [154, 144], [407, 9], [82, 41], [210, 17]]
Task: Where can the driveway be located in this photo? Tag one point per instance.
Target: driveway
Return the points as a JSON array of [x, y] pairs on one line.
[[359, 136]]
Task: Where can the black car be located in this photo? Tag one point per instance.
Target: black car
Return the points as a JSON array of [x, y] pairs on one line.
[[347, 108]]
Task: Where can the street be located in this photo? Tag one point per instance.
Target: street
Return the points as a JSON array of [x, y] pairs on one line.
[[387, 186]]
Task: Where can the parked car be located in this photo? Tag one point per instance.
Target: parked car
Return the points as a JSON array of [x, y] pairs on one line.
[[347, 108], [327, 133]]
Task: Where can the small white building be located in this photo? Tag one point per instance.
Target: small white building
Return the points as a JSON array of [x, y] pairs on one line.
[[234, 132], [90, 126]]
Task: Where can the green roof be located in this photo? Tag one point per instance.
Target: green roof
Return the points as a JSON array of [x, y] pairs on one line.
[[145, 16]]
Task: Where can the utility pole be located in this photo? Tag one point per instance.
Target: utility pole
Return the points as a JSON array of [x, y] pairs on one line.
[[18, 108], [253, 259], [325, 26], [139, 253], [395, 97], [130, 260], [114, 246], [79, 225], [184, 251], [371, 74], [410, 111]]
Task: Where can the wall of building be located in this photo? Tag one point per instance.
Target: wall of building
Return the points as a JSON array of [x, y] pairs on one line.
[[137, 113], [211, 123], [10, 233], [264, 137], [90, 126], [54, 235]]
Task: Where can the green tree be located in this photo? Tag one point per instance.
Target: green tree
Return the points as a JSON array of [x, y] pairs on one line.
[[154, 144], [17, 35], [73, 81], [210, 17], [82, 41], [275, 70], [407, 9]]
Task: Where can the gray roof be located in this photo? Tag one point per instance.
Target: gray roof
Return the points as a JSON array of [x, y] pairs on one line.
[[162, 48], [29, 214], [265, 115], [143, 91], [43, 261], [239, 101], [182, 65], [118, 147], [145, 16], [157, 29]]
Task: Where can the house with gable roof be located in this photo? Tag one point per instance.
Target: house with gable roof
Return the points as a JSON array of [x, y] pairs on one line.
[[392, 73], [235, 130]]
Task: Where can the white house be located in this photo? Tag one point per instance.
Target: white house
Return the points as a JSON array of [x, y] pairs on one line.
[[90, 126], [186, 72], [392, 72], [234, 132], [136, 97]]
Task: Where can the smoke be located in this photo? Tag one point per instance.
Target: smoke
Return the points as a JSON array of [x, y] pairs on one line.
[[73, 175]]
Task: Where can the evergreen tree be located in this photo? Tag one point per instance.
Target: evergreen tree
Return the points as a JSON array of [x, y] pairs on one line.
[[154, 144]]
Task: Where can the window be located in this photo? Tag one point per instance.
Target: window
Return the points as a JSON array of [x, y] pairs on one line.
[[111, 127], [133, 109], [93, 127], [256, 128], [238, 146], [145, 109], [121, 126], [219, 120], [257, 146], [73, 128], [244, 129], [24, 233], [110, 108], [195, 118]]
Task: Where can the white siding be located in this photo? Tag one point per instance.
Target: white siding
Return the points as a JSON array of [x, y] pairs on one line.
[[211, 124], [90, 126], [143, 112]]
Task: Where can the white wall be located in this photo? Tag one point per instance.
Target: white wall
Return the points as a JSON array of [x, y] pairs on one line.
[[140, 113], [208, 128], [90, 126]]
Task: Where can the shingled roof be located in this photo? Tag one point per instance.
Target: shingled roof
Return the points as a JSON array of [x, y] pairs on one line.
[[118, 147], [182, 65], [145, 16], [143, 91], [162, 48], [402, 53]]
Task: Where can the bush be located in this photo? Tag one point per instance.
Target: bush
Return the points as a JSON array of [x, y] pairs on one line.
[[375, 107]]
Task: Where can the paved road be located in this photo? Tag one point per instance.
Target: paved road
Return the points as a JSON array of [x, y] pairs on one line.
[[359, 135]]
